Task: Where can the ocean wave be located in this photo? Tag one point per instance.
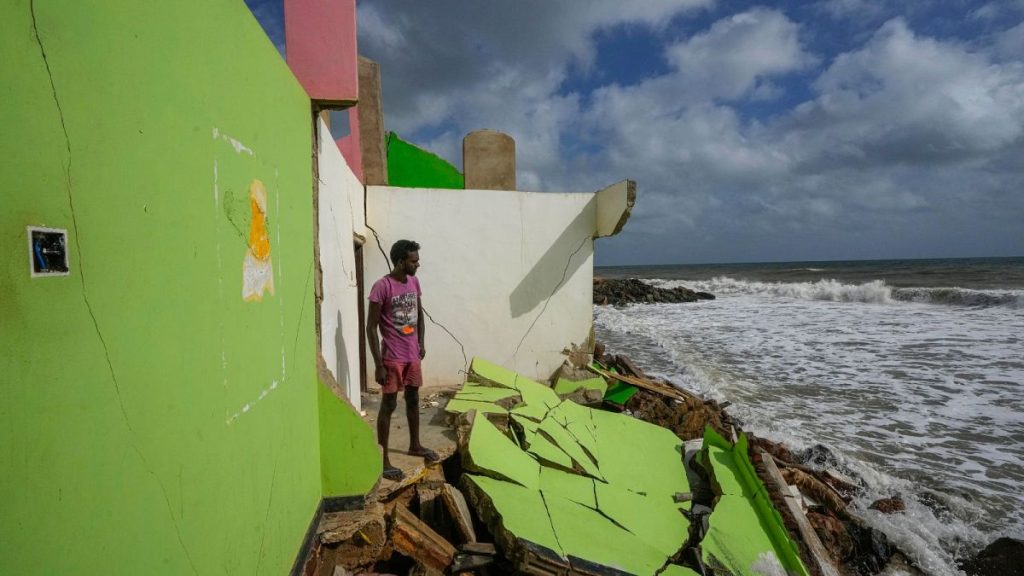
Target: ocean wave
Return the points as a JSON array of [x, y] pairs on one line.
[[874, 292]]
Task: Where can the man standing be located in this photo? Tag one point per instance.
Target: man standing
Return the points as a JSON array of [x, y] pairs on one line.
[[396, 309]]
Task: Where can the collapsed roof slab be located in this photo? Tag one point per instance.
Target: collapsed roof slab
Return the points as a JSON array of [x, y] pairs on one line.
[[611, 512]]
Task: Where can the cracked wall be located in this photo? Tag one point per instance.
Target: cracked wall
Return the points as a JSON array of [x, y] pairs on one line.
[[169, 425], [495, 265]]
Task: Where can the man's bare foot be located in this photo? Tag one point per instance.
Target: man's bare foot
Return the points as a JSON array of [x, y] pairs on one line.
[[427, 454]]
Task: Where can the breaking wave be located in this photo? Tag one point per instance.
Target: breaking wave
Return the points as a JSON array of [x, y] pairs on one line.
[[874, 292]]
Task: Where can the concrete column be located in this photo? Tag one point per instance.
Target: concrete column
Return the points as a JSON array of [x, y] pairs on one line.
[[489, 160], [371, 124]]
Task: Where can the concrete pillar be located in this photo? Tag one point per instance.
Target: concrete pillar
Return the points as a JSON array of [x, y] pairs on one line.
[[371, 124], [489, 160]]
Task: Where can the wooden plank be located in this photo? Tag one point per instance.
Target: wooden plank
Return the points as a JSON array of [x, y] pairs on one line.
[[458, 509], [412, 538], [669, 391], [807, 533]]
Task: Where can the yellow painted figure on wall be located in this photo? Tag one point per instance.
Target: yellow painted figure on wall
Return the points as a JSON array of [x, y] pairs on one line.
[[257, 270]]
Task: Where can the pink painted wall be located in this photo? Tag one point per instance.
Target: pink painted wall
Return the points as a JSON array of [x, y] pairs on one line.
[[349, 145], [320, 45]]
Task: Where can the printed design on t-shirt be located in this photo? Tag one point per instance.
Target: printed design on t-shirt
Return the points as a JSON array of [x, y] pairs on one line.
[[404, 313]]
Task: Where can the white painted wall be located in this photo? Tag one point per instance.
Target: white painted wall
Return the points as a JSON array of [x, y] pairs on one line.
[[490, 260], [341, 215]]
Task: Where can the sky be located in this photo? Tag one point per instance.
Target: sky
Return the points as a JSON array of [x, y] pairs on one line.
[[809, 130]]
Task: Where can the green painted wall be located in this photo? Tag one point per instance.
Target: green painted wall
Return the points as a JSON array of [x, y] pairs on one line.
[[413, 167], [151, 421]]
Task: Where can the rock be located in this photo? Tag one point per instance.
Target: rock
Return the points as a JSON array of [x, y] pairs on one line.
[[889, 505], [619, 292], [833, 535], [1005, 557], [871, 549]]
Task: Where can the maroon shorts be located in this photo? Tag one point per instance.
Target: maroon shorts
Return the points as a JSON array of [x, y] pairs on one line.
[[400, 375]]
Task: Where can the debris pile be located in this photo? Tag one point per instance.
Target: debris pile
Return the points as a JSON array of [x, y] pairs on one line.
[[612, 473], [619, 292]]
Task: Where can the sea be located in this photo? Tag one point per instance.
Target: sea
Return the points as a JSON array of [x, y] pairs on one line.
[[907, 374]]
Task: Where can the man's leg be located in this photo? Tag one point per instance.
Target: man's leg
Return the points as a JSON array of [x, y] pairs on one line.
[[388, 403], [412, 413]]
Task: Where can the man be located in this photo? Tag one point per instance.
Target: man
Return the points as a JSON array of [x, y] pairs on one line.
[[396, 309]]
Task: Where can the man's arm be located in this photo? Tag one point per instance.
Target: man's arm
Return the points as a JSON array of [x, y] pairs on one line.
[[372, 320], [421, 326]]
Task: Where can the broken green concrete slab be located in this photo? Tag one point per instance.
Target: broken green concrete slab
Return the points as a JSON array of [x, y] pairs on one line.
[[486, 372], [746, 534], [482, 393], [538, 399], [460, 406], [630, 524], [491, 452], [579, 489], [522, 511], [547, 453], [584, 534], [652, 519], [642, 457], [559, 436], [578, 422], [563, 386]]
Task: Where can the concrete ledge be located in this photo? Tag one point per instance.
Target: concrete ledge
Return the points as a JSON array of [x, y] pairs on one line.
[[614, 205]]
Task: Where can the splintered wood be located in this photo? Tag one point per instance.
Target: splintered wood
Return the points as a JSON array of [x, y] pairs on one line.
[[413, 538]]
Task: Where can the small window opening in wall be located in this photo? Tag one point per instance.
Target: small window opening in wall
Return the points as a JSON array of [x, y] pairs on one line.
[[48, 251]]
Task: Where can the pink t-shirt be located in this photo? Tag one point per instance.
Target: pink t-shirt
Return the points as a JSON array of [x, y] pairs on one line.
[[399, 317]]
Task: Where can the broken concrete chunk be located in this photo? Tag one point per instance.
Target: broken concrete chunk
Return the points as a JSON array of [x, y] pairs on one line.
[[482, 393], [548, 453], [460, 406], [582, 460], [653, 519], [564, 386], [360, 535], [538, 399], [489, 373], [492, 453], [643, 457], [569, 486], [513, 512], [586, 535]]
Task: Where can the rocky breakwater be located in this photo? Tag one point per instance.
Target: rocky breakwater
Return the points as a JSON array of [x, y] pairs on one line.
[[622, 291]]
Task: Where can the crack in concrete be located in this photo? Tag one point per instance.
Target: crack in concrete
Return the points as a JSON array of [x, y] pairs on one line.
[[547, 301], [302, 310], [74, 217], [565, 426], [266, 515], [85, 294], [551, 522]]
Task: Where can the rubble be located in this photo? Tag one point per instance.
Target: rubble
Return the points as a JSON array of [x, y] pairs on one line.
[[542, 479], [619, 292]]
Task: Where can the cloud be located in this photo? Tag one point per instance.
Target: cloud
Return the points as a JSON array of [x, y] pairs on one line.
[[728, 60], [750, 145]]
